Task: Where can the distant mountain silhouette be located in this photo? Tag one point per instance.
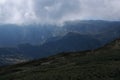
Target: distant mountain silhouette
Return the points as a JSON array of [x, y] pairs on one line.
[[70, 42], [37, 41], [36, 34]]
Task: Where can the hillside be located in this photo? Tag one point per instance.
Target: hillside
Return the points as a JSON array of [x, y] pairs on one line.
[[99, 64], [19, 43], [69, 42]]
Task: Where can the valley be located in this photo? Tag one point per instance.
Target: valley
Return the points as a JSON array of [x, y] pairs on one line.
[[101, 64], [39, 41]]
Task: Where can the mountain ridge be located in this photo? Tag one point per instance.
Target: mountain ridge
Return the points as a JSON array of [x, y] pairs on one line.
[[37, 41], [85, 65]]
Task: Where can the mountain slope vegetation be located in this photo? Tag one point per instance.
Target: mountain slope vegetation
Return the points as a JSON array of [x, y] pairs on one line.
[[99, 64]]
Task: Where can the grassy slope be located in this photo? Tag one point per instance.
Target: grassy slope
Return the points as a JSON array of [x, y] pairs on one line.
[[100, 64]]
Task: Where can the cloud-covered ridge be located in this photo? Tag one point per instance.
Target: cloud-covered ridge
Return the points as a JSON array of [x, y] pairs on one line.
[[57, 11]]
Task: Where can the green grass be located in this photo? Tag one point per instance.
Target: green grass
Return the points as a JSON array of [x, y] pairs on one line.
[[100, 64]]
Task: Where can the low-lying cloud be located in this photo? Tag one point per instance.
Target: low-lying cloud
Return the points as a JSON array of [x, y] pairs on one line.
[[57, 11]]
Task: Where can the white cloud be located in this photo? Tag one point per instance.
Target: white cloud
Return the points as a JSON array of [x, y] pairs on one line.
[[100, 9], [57, 11], [16, 11], [54, 11], [2, 1]]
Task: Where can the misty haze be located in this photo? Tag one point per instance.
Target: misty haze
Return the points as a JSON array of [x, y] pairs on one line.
[[59, 40]]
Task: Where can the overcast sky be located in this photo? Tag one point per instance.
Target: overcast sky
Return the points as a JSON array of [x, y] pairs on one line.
[[57, 11]]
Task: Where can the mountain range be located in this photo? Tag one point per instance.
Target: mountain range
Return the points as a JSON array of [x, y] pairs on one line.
[[12, 35], [98, 64], [27, 42]]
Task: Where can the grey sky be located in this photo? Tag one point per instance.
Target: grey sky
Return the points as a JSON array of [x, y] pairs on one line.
[[57, 11]]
